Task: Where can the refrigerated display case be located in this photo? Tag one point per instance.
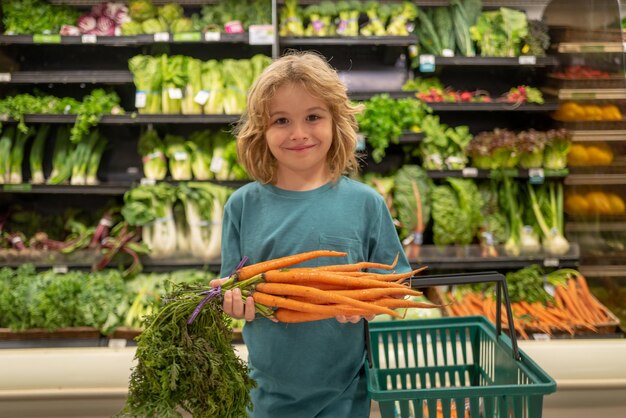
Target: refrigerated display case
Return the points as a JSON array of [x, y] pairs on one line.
[[89, 376], [591, 87]]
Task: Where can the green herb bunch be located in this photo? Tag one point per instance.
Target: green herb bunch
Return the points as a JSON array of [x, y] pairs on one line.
[[190, 367]]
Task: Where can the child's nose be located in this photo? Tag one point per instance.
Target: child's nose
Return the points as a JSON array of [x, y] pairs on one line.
[[299, 131]]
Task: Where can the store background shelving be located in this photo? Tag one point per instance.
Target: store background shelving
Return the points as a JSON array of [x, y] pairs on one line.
[[122, 169], [358, 59]]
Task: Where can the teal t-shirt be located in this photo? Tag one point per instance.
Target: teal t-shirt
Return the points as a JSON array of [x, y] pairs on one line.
[[313, 369]]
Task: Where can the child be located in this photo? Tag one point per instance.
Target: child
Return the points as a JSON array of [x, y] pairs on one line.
[[296, 139]]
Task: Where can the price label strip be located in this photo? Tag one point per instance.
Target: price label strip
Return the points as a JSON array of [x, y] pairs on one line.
[[261, 34]]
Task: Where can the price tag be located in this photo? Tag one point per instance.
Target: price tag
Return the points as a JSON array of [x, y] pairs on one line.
[[46, 39], [427, 63], [59, 269], [583, 96], [140, 99], [132, 170], [212, 36], [471, 172], [175, 93], [261, 34], [181, 156], [541, 337], [549, 289], [233, 26], [22, 187], [188, 37], [527, 60], [360, 142], [216, 164], [447, 53], [147, 182], [89, 39], [5, 77], [551, 262], [117, 343], [201, 97], [162, 37], [536, 176]]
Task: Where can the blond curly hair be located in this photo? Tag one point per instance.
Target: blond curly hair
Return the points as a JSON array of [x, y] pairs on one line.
[[315, 74]]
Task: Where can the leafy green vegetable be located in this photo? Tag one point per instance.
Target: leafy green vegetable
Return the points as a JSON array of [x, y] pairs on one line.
[[456, 212], [25, 17], [188, 365], [385, 118]]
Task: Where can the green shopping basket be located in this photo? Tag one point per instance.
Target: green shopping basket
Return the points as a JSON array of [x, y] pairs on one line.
[[457, 367]]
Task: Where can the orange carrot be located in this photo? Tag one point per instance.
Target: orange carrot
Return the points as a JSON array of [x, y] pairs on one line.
[[332, 278], [377, 293], [314, 295], [274, 301], [292, 317], [404, 303], [282, 262], [356, 267]]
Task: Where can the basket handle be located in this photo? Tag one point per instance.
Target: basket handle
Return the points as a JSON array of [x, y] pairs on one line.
[[467, 278]]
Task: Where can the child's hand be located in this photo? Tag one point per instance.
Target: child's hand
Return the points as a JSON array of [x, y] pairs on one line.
[[354, 318], [234, 305]]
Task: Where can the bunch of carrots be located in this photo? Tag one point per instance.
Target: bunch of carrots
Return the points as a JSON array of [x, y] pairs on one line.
[[301, 294], [574, 309], [185, 359]]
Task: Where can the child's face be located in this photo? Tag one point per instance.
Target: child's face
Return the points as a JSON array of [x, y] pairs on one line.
[[299, 133]]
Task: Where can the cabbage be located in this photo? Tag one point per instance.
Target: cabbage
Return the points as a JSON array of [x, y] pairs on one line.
[[183, 24], [170, 12], [141, 10]]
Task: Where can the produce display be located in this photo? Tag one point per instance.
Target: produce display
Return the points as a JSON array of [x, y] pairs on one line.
[[502, 215], [204, 155], [594, 201], [502, 149], [188, 341], [186, 85], [104, 300], [384, 119], [88, 111], [130, 18], [431, 90], [592, 154], [558, 303], [184, 219], [578, 112]]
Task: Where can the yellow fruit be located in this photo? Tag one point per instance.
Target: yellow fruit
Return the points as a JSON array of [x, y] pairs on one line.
[[576, 204], [598, 203], [577, 155], [617, 204], [599, 154]]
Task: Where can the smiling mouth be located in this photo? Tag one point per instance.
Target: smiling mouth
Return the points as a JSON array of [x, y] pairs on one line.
[[300, 148]]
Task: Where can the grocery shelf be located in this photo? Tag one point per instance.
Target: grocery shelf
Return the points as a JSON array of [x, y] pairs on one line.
[[601, 271], [200, 37], [587, 94], [598, 224], [103, 188], [346, 40], [467, 257], [590, 47], [470, 257], [497, 106], [113, 189], [598, 179], [535, 175], [69, 77], [133, 118], [478, 61], [598, 135]]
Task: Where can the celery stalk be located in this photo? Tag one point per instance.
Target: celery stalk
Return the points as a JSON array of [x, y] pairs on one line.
[[36, 155], [6, 140]]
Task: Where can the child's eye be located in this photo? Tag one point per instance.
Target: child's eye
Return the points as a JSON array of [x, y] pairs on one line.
[[280, 121], [313, 118]]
